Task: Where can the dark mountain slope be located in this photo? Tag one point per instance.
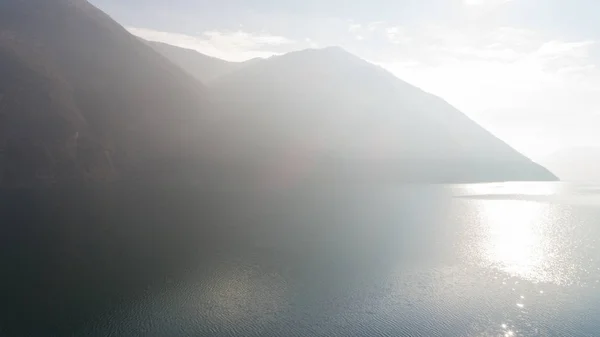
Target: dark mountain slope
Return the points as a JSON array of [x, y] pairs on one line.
[[136, 104], [39, 120], [328, 113]]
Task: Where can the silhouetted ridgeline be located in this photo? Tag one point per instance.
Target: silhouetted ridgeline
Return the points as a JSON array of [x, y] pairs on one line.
[[204, 68]]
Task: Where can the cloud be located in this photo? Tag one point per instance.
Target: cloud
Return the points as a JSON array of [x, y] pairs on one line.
[[374, 26], [397, 35], [228, 45], [362, 32], [506, 59], [244, 39], [354, 28], [311, 43]]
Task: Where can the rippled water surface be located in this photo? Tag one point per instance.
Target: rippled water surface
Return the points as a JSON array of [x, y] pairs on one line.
[[514, 259]]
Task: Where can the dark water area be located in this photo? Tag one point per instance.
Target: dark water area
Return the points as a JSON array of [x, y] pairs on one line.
[[463, 260], [67, 254]]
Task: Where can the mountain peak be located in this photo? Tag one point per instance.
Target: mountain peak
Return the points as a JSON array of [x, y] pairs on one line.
[[343, 111], [321, 60]]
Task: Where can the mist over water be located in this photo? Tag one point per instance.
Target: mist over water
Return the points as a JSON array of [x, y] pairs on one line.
[[514, 259]]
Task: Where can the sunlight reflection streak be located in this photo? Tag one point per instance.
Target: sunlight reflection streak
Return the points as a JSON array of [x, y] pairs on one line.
[[520, 238]]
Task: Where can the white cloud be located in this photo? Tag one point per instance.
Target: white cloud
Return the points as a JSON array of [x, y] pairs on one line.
[[362, 32], [311, 43], [245, 40], [374, 26], [231, 46], [397, 35], [353, 28]]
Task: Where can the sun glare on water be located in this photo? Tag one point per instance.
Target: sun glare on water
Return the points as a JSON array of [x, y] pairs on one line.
[[522, 239], [514, 240]]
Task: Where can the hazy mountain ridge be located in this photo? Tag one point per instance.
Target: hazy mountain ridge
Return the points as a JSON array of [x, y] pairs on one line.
[[339, 108], [204, 68], [120, 108]]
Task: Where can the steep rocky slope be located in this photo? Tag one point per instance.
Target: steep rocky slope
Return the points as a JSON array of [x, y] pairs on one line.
[[73, 75]]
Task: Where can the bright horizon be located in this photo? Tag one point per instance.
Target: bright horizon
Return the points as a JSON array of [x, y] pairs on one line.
[[526, 70]]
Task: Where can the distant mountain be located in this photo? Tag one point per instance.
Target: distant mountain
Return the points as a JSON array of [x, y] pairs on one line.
[[83, 99], [580, 164], [326, 113], [202, 67]]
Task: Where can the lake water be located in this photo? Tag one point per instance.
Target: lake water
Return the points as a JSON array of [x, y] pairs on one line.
[[511, 259]]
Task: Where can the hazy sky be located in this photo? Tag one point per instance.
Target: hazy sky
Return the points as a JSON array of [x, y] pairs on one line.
[[525, 69]]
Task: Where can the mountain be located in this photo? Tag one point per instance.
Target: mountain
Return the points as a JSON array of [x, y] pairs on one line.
[[83, 99], [39, 119], [579, 164], [327, 113], [202, 67]]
